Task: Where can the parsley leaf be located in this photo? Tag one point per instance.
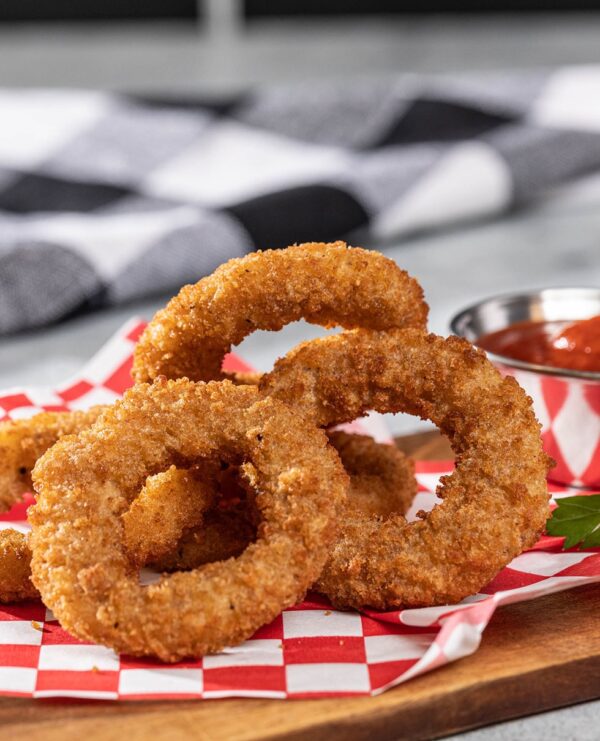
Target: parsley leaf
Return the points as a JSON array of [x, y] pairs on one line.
[[578, 519]]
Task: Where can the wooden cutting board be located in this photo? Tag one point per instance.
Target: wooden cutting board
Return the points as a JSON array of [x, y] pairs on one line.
[[534, 656]]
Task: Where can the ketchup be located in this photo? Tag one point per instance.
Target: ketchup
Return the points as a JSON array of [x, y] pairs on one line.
[[569, 345]]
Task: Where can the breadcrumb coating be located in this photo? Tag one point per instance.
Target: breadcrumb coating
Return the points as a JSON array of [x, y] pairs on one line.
[[495, 503], [85, 483], [382, 483], [326, 284], [23, 441]]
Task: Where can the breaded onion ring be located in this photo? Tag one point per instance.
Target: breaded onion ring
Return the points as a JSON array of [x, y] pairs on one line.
[[326, 284], [85, 483], [174, 524], [496, 501], [382, 483], [169, 504], [15, 568], [23, 441]]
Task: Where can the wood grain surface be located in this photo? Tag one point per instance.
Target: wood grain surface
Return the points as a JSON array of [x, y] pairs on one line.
[[534, 656]]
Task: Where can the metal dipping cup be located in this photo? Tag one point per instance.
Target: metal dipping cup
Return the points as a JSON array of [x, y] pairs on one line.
[[566, 402]]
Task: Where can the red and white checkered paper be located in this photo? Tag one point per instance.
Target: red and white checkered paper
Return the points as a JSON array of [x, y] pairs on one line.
[[568, 409], [310, 650]]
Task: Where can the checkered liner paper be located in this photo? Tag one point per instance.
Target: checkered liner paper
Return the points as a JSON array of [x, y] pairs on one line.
[[310, 650]]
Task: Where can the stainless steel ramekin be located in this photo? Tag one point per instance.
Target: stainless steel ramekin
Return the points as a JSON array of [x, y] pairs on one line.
[[567, 402]]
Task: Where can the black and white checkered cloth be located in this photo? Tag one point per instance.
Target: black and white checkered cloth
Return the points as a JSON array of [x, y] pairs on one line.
[[106, 198]]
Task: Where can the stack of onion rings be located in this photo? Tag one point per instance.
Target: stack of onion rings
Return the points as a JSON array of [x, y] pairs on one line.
[[85, 484], [178, 521], [326, 284], [494, 511], [237, 484]]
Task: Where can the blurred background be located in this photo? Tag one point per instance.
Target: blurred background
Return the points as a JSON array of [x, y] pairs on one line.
[[472, 67], [218, 45]]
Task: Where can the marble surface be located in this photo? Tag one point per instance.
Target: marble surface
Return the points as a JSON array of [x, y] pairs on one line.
[[555, 243]]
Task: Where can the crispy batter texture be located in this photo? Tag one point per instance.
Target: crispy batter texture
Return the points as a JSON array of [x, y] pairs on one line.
[[15, 567], [23, 441], [382, 483], [326, 284], [495, 504], [171, 503], [85, 483], [178, 522], [382, 478]]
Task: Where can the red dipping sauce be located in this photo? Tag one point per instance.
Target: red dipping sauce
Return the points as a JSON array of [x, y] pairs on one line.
[[559, 344]]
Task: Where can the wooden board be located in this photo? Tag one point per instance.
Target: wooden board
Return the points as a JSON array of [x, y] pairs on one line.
[[534, 656]]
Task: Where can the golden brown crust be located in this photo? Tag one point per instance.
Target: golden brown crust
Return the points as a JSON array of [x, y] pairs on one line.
[[86, 482], [382, 478], [15, 568], [382, 483], [170, 503], [495, 503], [23, 441], [327, 284], [175, 524]]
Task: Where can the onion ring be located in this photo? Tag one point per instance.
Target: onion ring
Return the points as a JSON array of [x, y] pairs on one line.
[[150, 526], [175, 523], [495, 504], [382, 483], [326, 284], [23, 441], [85, 483], [15, 567]]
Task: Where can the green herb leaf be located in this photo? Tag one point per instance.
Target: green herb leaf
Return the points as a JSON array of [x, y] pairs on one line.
[[578, 519]]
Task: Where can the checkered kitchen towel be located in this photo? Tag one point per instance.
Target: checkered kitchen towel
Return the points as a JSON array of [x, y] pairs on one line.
[[106, 198]]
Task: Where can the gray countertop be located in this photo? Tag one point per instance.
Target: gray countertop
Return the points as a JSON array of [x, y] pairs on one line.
[[556, 243]]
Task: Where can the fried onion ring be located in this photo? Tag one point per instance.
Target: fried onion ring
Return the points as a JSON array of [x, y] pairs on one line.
[[326, 284], [15, 567], [178, 521], [23, 441], [382, 483], [169, 504], [85, 483], [495, 504]]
